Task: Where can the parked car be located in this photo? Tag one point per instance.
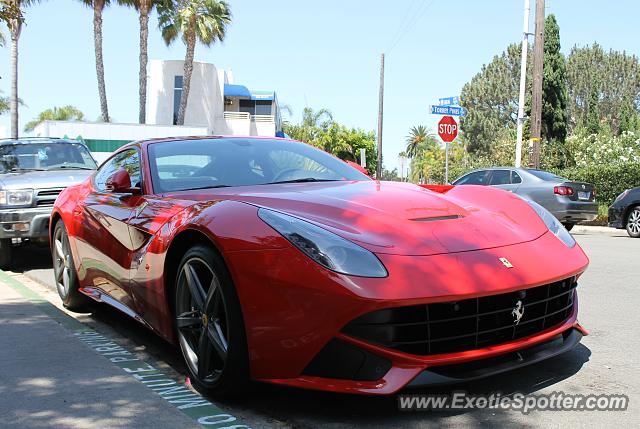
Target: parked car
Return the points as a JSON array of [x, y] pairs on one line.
[[624, 213], [32, 174], [275, 261], [570, 202]]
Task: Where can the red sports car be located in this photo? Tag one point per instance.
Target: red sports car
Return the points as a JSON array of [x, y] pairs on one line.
[[268, 259]]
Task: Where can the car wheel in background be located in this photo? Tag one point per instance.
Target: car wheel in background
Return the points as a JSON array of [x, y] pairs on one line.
[[569, 226], [633, 223], [65, 271], [209, 324], [6, 253]]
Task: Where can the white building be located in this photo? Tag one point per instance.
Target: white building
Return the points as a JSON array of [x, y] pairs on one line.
[[215, 101], [216, 106]]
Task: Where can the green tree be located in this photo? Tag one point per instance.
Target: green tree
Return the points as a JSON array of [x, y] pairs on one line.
[[618, 76], [12, 14], [554, 87], [194, 20], [65, 113], [313, 125], [5, 105], [144, 8], [592, 123], [98, 7], [491, 99], [418, 139]]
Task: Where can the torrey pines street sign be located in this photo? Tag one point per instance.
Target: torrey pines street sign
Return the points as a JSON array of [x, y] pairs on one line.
[[448, 129]]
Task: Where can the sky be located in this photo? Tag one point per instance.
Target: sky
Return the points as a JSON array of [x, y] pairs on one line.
[[316, 54]]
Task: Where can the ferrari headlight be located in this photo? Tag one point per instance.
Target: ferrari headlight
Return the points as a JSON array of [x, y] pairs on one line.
[[19, 197], [324, 247], [553, 224]]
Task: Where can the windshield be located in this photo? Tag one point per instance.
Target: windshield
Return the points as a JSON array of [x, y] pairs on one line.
[[209, 163], [45, 157], [545, 175]]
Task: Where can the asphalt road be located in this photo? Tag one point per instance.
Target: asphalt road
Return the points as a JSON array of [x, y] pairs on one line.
[[606, 362]]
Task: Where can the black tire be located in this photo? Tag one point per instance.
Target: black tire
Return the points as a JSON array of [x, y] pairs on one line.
[[211, 325], [633, 223], [6, 254], [64, 272], [569, 226]]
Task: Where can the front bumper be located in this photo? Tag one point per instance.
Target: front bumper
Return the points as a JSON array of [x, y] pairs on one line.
[[308, 308], [36, 218], [616, 217]]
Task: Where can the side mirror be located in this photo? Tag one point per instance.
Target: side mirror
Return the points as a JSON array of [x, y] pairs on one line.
[[120, 183]]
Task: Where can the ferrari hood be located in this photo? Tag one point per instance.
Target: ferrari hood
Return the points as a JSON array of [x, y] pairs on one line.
[[401, 218]]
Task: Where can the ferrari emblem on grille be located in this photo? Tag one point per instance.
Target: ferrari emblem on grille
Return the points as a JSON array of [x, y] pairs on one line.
[[518, 312], [506, 262]]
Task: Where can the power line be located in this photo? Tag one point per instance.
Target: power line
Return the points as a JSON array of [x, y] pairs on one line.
[[416, 18], [402, 22]]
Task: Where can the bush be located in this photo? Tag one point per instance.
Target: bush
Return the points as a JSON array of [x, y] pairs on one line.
[[610, 180]]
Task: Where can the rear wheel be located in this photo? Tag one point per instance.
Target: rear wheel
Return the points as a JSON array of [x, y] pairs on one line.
[[569, 226], [65, 271], [633, 223], [209, 324], [6, 254]]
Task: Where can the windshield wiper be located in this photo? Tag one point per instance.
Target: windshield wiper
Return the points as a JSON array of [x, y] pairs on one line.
[[71, 167], [203, 187], [26, 169], [302, 180]]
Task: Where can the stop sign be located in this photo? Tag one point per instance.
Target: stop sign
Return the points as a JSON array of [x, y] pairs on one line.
[[448, 129]]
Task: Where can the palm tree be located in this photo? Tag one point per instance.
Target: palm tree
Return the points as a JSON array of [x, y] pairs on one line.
[[416, 140], [195, 20], [11, 13], [98, 6], [313, 119], [65, 113], [144, 8]]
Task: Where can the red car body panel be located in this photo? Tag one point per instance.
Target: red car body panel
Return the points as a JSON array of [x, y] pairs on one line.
[[436, 246]]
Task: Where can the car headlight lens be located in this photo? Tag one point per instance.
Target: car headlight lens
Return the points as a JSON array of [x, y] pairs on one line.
[[553, 224], [621, 196], [324, 247], [19, 197]]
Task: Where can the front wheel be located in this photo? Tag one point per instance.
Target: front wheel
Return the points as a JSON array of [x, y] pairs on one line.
[[569, 226], [209, 324], [65, 271], [6, 254], [633, 223]]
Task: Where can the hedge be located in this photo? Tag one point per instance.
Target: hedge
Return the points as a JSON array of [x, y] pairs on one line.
[[610, 180]]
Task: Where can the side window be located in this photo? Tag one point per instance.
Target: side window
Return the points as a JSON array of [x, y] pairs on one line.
[[515, 178], [128, 159], [475, 178], [500, 177]]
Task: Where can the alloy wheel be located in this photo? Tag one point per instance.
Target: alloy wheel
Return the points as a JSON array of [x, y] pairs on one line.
[[62, 262], [633, 224], [201, 320]]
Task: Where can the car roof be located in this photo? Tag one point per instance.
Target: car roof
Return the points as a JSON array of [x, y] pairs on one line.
[[145, 142], [32, 140]]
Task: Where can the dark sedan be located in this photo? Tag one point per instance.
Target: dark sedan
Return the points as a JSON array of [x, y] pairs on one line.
[[624, 213]]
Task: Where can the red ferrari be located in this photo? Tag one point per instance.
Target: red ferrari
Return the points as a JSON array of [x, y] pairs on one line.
[[270, 260]]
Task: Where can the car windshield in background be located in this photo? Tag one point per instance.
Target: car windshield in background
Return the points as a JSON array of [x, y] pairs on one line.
[[545, 175], [45, 157], [210, 163]]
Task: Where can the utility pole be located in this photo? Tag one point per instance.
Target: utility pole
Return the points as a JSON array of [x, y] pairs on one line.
[[380, 114], [523, 82], [536, 105]]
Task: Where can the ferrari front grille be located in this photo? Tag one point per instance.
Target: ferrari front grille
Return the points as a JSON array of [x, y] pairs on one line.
[[467, 324]]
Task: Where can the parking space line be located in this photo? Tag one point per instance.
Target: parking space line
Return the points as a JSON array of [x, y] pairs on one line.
[[178, 394]]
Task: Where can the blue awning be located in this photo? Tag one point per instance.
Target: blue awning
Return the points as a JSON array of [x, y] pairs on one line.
[[236, 91], [231, 90]]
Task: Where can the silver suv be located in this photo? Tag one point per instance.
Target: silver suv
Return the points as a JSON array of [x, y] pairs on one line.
[[33, 172]]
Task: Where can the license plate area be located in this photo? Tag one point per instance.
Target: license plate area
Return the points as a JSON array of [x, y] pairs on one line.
[[582, 195]]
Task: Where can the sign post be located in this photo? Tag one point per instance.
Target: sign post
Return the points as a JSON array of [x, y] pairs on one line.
[[448, 131]]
